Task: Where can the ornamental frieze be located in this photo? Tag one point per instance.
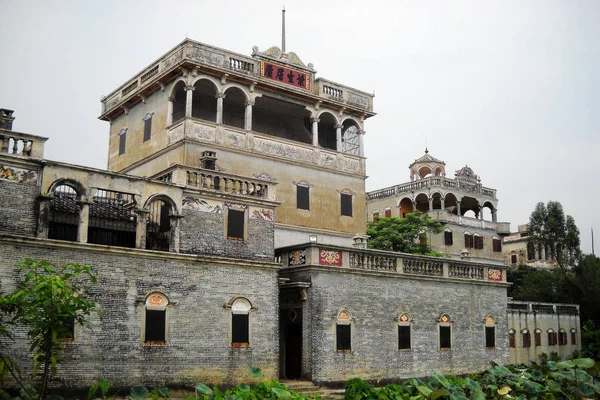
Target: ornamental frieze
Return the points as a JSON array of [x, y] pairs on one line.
[[330, 257], [282, 150], [494, 274], [297, 257], [19, 175]]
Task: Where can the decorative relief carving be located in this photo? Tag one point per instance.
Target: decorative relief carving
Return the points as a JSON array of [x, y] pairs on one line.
[[351, 165], [297, 257], [196, 204], [473, 223], [249, 141], [330, 257], [494, 274], [264, 214], [176, 134], [328, 160], [207, 56], [220, 136], [234, 139], [359, 101], [236, 206], [266, 177], [20, 175], [174, 59], [203, 132], [282, 150]]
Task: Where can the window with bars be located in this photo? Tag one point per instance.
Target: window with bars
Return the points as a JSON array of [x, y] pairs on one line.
[[158, 226], [562, 338], [235, 224], [112, 219], [63, 218], [448, 239], [526, 339], [147, 127], [346, 204], [496, 245], [122, 140], [302, 197]]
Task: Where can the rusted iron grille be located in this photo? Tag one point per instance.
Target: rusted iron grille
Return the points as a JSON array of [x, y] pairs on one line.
[[158, 228], [64, 214], [112, 219]]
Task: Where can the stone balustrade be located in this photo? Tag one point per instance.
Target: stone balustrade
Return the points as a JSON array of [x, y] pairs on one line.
[[426, 183], [190, 53], [230, 184], [21, 144], [344, 258]]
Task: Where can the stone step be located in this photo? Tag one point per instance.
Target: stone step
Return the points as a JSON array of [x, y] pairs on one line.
[[332, 394]]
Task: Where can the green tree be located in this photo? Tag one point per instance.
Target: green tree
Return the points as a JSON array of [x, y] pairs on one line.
[[402, 234], [550, 229], [49, 301], [536, 284]]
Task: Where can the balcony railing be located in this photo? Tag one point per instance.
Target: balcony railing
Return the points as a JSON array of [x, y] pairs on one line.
[[543, 308], [21, 144], [341, 258], [430, 182], [230, 184]]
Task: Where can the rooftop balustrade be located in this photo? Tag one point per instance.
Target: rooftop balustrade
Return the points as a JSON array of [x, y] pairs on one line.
[[21, 144], [347, 259], [432, 182], [543, 308]]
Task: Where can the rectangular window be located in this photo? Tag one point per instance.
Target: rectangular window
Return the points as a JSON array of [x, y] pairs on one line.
[[478, 242], [122, 138], [155, 327], [388, 213], [404, 337], [538, 339], [70, 331], [240, 330], [375, 215], [302, 197], [147, 127], [511, 340], [343, 342], [346, 201], [562, 338], [552, 338], [497, 245], [235, 224], [445, 338], [513, 259], [573, 338], [448, 238], [468, 241], [490, 337], [527, 339]]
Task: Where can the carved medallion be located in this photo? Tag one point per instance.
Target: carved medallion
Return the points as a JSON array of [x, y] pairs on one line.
[[330, 257]]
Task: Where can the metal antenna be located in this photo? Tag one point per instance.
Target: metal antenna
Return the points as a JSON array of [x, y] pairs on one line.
[[283, 30], [593, 242]]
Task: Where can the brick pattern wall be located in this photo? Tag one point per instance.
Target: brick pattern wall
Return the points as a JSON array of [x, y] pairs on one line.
[[375, 302], [18, 208], [198, 348], [204, 233]]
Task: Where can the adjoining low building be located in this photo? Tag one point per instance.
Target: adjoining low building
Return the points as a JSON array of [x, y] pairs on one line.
[[536, 328], [460, 203], [520, 250]]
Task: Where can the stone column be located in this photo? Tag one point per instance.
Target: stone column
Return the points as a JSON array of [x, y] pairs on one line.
[[140, 230], [315, 131], [175, 230], [248, 115], [338, 137], [170, 110], [414, 204], [458, 211], [430, 203], [220, 97], [443, 201], [44, 217], [189, 96], [82, 226], [494, 215], [361, 141]]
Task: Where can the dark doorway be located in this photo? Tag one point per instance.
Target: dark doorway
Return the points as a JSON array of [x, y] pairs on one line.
[[293, 351]]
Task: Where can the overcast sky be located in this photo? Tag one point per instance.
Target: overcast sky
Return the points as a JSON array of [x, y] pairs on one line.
[[511, 88]]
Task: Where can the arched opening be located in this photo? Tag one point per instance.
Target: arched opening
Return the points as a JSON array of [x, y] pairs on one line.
[[178, 97], [155, 323], [490, 332], [63, 219], [204, 101], [350, 138], [281, 119], [469, 204], [112, 219], [425, 172], [422, 203], [450, 203], [437, 201], [327, 131], [488, 211], [439, 171], [234, 107], [406, 207], [158, 226]]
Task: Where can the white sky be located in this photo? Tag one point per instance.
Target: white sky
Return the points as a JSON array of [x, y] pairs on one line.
[[511, 88]]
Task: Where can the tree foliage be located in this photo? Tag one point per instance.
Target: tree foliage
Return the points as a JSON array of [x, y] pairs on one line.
[[402, 234], [550, 229], [49, 301]]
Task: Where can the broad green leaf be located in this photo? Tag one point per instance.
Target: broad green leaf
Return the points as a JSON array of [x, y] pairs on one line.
[[139, 392], [163, 391], [441, 379], [424, 390], [565, 364], [203, 389], [585, 390], [281, 394], [438, 393], [244, 388], [584, 362], [504, 391], [255, 372], [456, 396]]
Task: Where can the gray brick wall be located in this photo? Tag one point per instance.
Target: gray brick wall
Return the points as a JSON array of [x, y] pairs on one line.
[[204, 233], [198, 348], [18, 208], [375, 303]]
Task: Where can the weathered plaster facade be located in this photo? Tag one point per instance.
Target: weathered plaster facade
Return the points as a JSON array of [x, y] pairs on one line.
[[520, 250]]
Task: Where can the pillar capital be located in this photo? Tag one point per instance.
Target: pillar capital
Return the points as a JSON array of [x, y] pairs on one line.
[[314, 119], [250, 102], [338, 126], [361, 132], [189, 87], [220, 95]]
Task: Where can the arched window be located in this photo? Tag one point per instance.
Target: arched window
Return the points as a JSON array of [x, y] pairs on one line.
[[350, 138], [112, 219], [158, 226], [562, 337], [63, 218], [404, 332], [448, 239], [240, 322], [445, 332], [573, 336], [538, 337], [343, 332], [155, 329], [178, 100], [327, 131], [490, 332], [204, 101], [511, 338], [526, 338], [388, 212], [234, 107], [496, 244], [552, 337]]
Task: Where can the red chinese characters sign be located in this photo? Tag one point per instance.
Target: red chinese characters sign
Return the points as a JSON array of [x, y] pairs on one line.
[[285, 75], [330, 257]]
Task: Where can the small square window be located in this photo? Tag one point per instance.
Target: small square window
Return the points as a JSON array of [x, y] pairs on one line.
[[403, 337], [302, 197], [346, 204], [343, 342], [235, 224]]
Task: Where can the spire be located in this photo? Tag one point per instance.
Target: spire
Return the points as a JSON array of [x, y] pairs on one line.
[[283, 30]]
